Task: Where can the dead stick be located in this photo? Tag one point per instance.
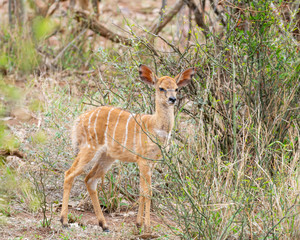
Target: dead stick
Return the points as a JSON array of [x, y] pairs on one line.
[[199, 17], [156, 28], [93, 24], [4, 152]]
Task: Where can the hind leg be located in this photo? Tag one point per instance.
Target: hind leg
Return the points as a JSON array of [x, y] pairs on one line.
[[98, 171], [84, 156]]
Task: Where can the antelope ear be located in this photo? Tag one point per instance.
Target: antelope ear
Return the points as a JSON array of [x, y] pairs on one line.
[[146, 75], [185, 77]]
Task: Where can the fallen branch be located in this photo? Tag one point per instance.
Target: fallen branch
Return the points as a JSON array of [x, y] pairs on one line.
[[5, 152], [93, 24]]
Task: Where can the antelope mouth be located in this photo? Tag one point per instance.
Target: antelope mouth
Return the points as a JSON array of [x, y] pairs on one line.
[[170, 102]]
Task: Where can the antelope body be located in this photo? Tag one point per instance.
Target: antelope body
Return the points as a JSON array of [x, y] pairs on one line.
[[108, 133]]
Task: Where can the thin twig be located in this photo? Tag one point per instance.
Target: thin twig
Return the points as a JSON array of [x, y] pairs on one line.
[[281, 25]]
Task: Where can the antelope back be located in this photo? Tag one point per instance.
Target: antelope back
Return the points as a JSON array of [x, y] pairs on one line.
[[124, 134]]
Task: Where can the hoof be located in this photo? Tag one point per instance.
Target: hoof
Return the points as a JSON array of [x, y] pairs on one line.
[[139, 226], [64, 225], [104, 227], [147, 230]]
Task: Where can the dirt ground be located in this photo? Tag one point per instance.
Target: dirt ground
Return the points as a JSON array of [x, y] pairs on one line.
[[22, 225]]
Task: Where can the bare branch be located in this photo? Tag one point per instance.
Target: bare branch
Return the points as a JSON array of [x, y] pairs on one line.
[[93, 24], [52, 8], [45, 8], [219, 13], [156, 28], [199, 17], [162, 10]]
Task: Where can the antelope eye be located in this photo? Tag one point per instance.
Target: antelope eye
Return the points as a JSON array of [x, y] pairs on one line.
[[162, 89], [176, 90]]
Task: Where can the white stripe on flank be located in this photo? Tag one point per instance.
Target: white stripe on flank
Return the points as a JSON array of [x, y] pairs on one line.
[[141, 129], [95, 125], [126, 135], [107, 122], [116, 126], [89, 126], [134, 137]]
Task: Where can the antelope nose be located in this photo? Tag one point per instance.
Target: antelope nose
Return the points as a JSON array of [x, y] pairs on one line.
[[172, 99]]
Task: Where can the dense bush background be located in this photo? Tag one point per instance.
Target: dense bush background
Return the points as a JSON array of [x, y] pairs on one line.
[[232, 171]]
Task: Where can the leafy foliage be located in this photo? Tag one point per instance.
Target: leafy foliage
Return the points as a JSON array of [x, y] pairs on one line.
[[232, 171]]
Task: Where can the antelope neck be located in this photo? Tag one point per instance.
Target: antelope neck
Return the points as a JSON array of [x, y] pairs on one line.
[[163, 117]]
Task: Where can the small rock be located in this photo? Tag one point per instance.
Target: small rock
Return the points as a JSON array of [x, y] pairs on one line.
[[74, 225]]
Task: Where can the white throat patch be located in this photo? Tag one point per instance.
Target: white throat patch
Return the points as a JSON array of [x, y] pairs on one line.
[[161, 133]]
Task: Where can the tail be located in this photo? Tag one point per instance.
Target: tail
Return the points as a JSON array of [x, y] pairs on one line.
[[74, 137]]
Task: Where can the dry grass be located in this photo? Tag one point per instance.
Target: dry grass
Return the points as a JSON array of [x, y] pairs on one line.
[[232, 171]]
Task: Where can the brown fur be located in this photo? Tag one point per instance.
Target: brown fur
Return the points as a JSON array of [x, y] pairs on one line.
[[107, 133]]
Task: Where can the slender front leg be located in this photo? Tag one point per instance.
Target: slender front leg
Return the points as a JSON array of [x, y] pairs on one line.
[[148, 202], [69, 179], [139, 221], [145, 195], [76, 169]]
